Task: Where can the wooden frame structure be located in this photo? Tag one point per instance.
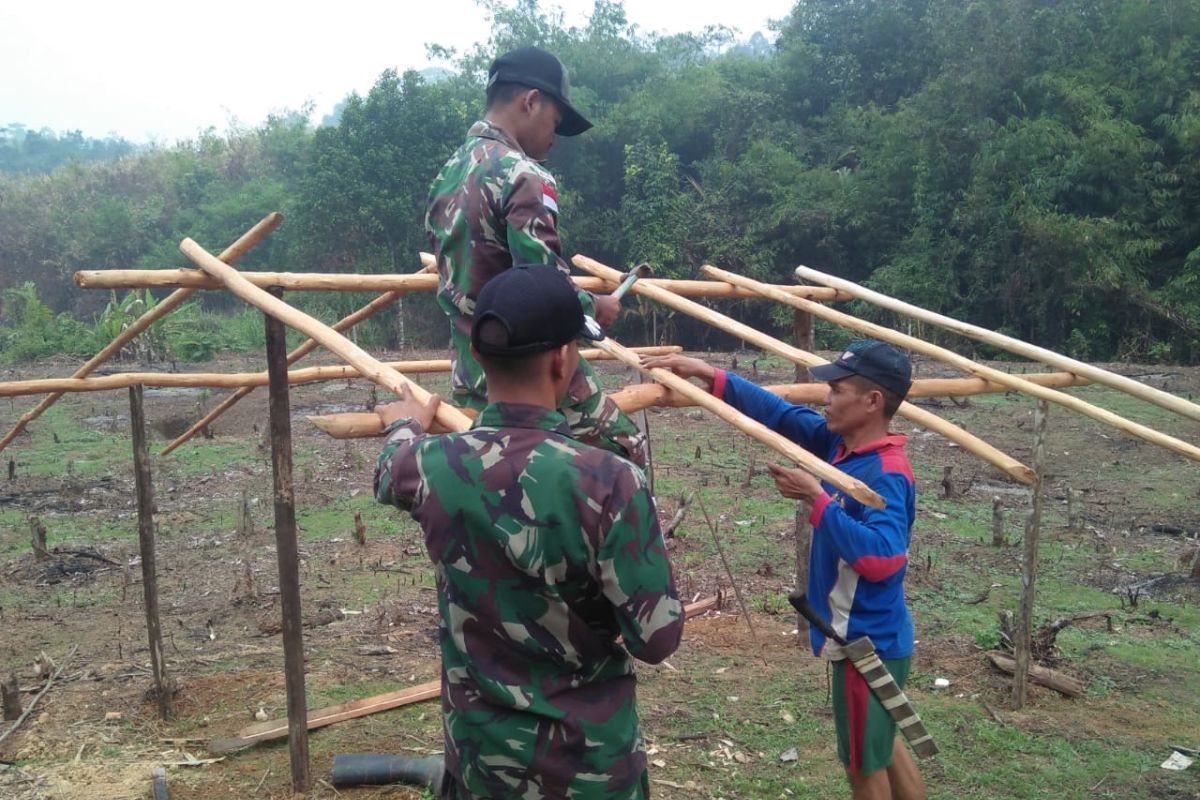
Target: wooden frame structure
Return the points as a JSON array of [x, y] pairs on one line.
[[667, 389]]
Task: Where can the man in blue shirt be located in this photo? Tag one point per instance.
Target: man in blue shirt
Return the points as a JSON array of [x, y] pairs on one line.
[[859, 554]]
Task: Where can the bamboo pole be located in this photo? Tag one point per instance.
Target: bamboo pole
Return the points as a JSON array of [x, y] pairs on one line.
[[404, 282], [168, 304], [635, 397], [238, 380], [803, 459], [1033, 352], [371, 368], [919, 416], [946, 356]]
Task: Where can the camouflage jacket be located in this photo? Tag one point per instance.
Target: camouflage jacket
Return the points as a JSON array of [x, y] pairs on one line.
[[490, 206], [546, 551]]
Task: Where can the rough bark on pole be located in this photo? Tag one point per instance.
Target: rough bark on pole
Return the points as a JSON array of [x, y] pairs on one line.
[[288, 552], [160, 310], [920, 416], [1032, 352], [1033, 529], [37, 538], [802, 332], [163, 687]]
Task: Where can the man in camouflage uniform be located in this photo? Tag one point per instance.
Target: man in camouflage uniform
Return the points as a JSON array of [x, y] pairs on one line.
[[547, 554], [493, 205]]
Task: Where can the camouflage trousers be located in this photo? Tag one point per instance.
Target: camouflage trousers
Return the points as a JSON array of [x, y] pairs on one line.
[[593, 416]]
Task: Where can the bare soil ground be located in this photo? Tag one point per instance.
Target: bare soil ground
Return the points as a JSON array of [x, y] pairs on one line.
[[96, 732]]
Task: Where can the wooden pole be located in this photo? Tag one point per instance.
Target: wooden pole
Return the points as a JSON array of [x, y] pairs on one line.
[[160, 310], [237, 380], [802, 458], [288, 552], [802, 333], [949, 357], [1032, 352], [403, 282], [635, 397], [371, 368], [1022, 642], [163, 687], [925, 419]]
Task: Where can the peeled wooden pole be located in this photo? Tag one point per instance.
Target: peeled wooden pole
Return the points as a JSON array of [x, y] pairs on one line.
[[1048, 357], [916, 415], [238, 380], [635, 397], [405, 282], [168, 304], [370, 368], [804, 459], [946, 356]]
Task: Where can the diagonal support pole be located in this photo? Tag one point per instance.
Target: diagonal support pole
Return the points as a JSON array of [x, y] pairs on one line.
[[164, 307]]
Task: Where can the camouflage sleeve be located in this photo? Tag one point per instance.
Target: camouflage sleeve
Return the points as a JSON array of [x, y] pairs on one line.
[[531, 216], [636, 576], [397, 476]]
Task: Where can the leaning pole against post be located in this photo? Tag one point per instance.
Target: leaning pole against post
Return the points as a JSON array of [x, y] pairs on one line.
[[368, 366], [1033, 352], [919, 416], [165, 306]]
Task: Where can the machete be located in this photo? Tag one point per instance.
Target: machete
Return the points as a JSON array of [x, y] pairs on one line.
[[861, 653]]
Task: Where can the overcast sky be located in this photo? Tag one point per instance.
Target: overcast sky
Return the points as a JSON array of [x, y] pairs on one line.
[[162, 70]]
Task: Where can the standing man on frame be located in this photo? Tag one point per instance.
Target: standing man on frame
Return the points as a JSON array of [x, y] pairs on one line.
[[492, 205]]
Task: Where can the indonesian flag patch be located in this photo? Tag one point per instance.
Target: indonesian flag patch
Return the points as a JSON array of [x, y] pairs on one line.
[[550, 198]]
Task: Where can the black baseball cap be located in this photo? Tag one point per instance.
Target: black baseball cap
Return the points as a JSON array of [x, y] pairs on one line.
[[876, 361], [537, 69], [529, 309]]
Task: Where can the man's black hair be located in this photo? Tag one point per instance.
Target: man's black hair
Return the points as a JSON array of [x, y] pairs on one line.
[[499, 94]]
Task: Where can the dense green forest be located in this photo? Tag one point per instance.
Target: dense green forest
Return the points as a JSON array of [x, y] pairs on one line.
[[1029, 165]]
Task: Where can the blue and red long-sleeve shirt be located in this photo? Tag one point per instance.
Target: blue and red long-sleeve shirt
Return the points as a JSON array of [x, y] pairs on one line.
[[859, 554]]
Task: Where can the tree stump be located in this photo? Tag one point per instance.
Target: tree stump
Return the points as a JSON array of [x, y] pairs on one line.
[[37, 538], [10, 697]]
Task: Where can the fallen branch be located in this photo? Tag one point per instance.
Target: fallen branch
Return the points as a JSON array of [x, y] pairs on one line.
[[1042, 676], [33, 703]]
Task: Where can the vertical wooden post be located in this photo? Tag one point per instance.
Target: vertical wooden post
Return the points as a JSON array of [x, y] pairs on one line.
[[802, 334], [1033, 528], [145, 500], [997, 523], [287, 549]]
